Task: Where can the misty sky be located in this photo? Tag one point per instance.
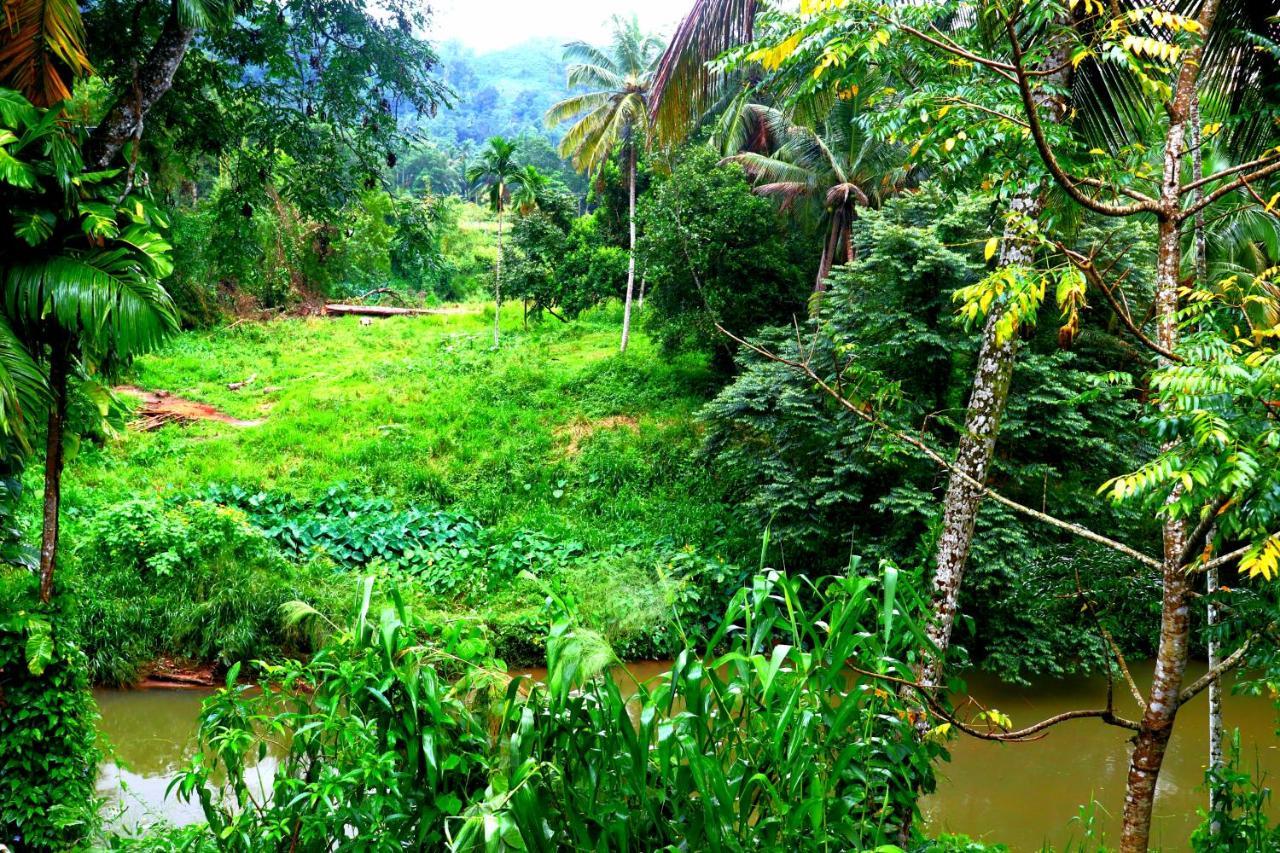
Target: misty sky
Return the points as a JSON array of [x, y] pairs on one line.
[[494, 24]]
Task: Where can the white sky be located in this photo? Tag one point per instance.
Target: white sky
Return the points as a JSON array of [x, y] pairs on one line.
[[495, 24]]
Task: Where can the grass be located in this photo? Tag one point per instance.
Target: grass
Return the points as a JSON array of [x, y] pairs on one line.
[[554, 431]]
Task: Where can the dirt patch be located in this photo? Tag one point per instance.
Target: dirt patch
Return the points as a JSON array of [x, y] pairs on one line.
[[580, 430], [161, 407], [170, 672]]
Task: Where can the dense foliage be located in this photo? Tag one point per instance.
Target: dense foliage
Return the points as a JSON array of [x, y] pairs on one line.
[[409, 730], [48, 753], [718, 255], [826, 477]]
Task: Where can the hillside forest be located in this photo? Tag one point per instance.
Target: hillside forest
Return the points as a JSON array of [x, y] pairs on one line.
[[833, 425]]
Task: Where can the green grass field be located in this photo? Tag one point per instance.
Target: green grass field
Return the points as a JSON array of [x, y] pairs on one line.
[[554, 437], [554, 431]]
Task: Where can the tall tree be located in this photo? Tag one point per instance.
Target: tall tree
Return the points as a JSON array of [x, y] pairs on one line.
[[81, 262], [614, 111], [498, 171]]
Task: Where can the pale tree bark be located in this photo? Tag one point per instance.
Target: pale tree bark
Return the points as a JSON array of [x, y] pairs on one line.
[[1156, 725], [631, 255], [123, 121], [497, 281], [1211, 573], [992, 376], [59, 371]]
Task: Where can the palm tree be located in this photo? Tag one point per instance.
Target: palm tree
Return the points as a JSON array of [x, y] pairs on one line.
[[530, 189], [498, 171], [80, 266], [614, 110], [834, 170]]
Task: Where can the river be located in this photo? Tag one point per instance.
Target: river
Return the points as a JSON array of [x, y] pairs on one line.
[[1024, 795]]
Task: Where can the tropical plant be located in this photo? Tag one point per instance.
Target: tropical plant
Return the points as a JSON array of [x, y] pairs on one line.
[[500, 174], [82, 261], [42, 49], [48, 758], [531, 187], [832, 170], [409, 730], [613, 111]]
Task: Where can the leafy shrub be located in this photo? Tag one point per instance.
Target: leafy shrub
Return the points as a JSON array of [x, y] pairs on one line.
[[448, 553], [191, 580], [48, 758], [715, 252], [385, 738], [398, 733]]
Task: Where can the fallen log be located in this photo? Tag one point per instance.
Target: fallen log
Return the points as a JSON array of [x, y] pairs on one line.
[[339, 310]]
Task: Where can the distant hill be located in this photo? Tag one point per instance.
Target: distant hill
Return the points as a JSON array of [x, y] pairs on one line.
[[502, 92]]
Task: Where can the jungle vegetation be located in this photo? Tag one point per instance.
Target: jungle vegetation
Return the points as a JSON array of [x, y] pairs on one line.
[[825, 350]]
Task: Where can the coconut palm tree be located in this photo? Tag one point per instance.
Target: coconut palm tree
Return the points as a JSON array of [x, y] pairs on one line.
[[614, 110], [498, 173], [833, 170]]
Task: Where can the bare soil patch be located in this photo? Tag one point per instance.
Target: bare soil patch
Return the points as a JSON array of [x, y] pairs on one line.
[[580, 430], [161, 407]]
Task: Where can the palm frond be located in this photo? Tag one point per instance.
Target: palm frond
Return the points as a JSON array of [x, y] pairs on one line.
[[106, 296], [684, 84], [42, 50]]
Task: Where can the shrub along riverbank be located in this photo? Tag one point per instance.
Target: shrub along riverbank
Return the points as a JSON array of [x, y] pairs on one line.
[[410, 449]]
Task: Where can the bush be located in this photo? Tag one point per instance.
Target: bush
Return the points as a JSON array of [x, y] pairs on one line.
[[48, 757], [192, 580], [715, 252]]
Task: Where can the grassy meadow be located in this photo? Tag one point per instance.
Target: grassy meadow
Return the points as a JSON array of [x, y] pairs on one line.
[[580, 464]]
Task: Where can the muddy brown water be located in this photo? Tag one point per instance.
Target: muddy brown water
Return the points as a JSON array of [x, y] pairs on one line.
[[1024, 795]]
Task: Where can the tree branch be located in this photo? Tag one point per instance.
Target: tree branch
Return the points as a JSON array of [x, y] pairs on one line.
[[938, 459], [1226, 189], [1068, 184], [1085, 264], [1032, 732]]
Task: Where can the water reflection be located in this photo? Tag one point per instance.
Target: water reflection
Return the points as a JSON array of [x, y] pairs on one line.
[[1027, 794]]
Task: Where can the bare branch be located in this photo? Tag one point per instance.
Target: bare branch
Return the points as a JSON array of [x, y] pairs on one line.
[[1228, 172], [938, 459], [1085, 264], [1224, 666], [1243, 180], [1030, 733]]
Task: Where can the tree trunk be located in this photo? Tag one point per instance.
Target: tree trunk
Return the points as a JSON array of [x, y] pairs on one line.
[[497, 285], [992, 375], [1211, 574], [1156, 726], [963, 499], [59, 363], [631, 259], [154, 77]]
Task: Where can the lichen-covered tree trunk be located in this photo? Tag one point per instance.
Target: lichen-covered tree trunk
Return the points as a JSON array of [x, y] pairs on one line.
[[1156, 726], [990, 392], [992, 376], [1211, 574], [154, 77]]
